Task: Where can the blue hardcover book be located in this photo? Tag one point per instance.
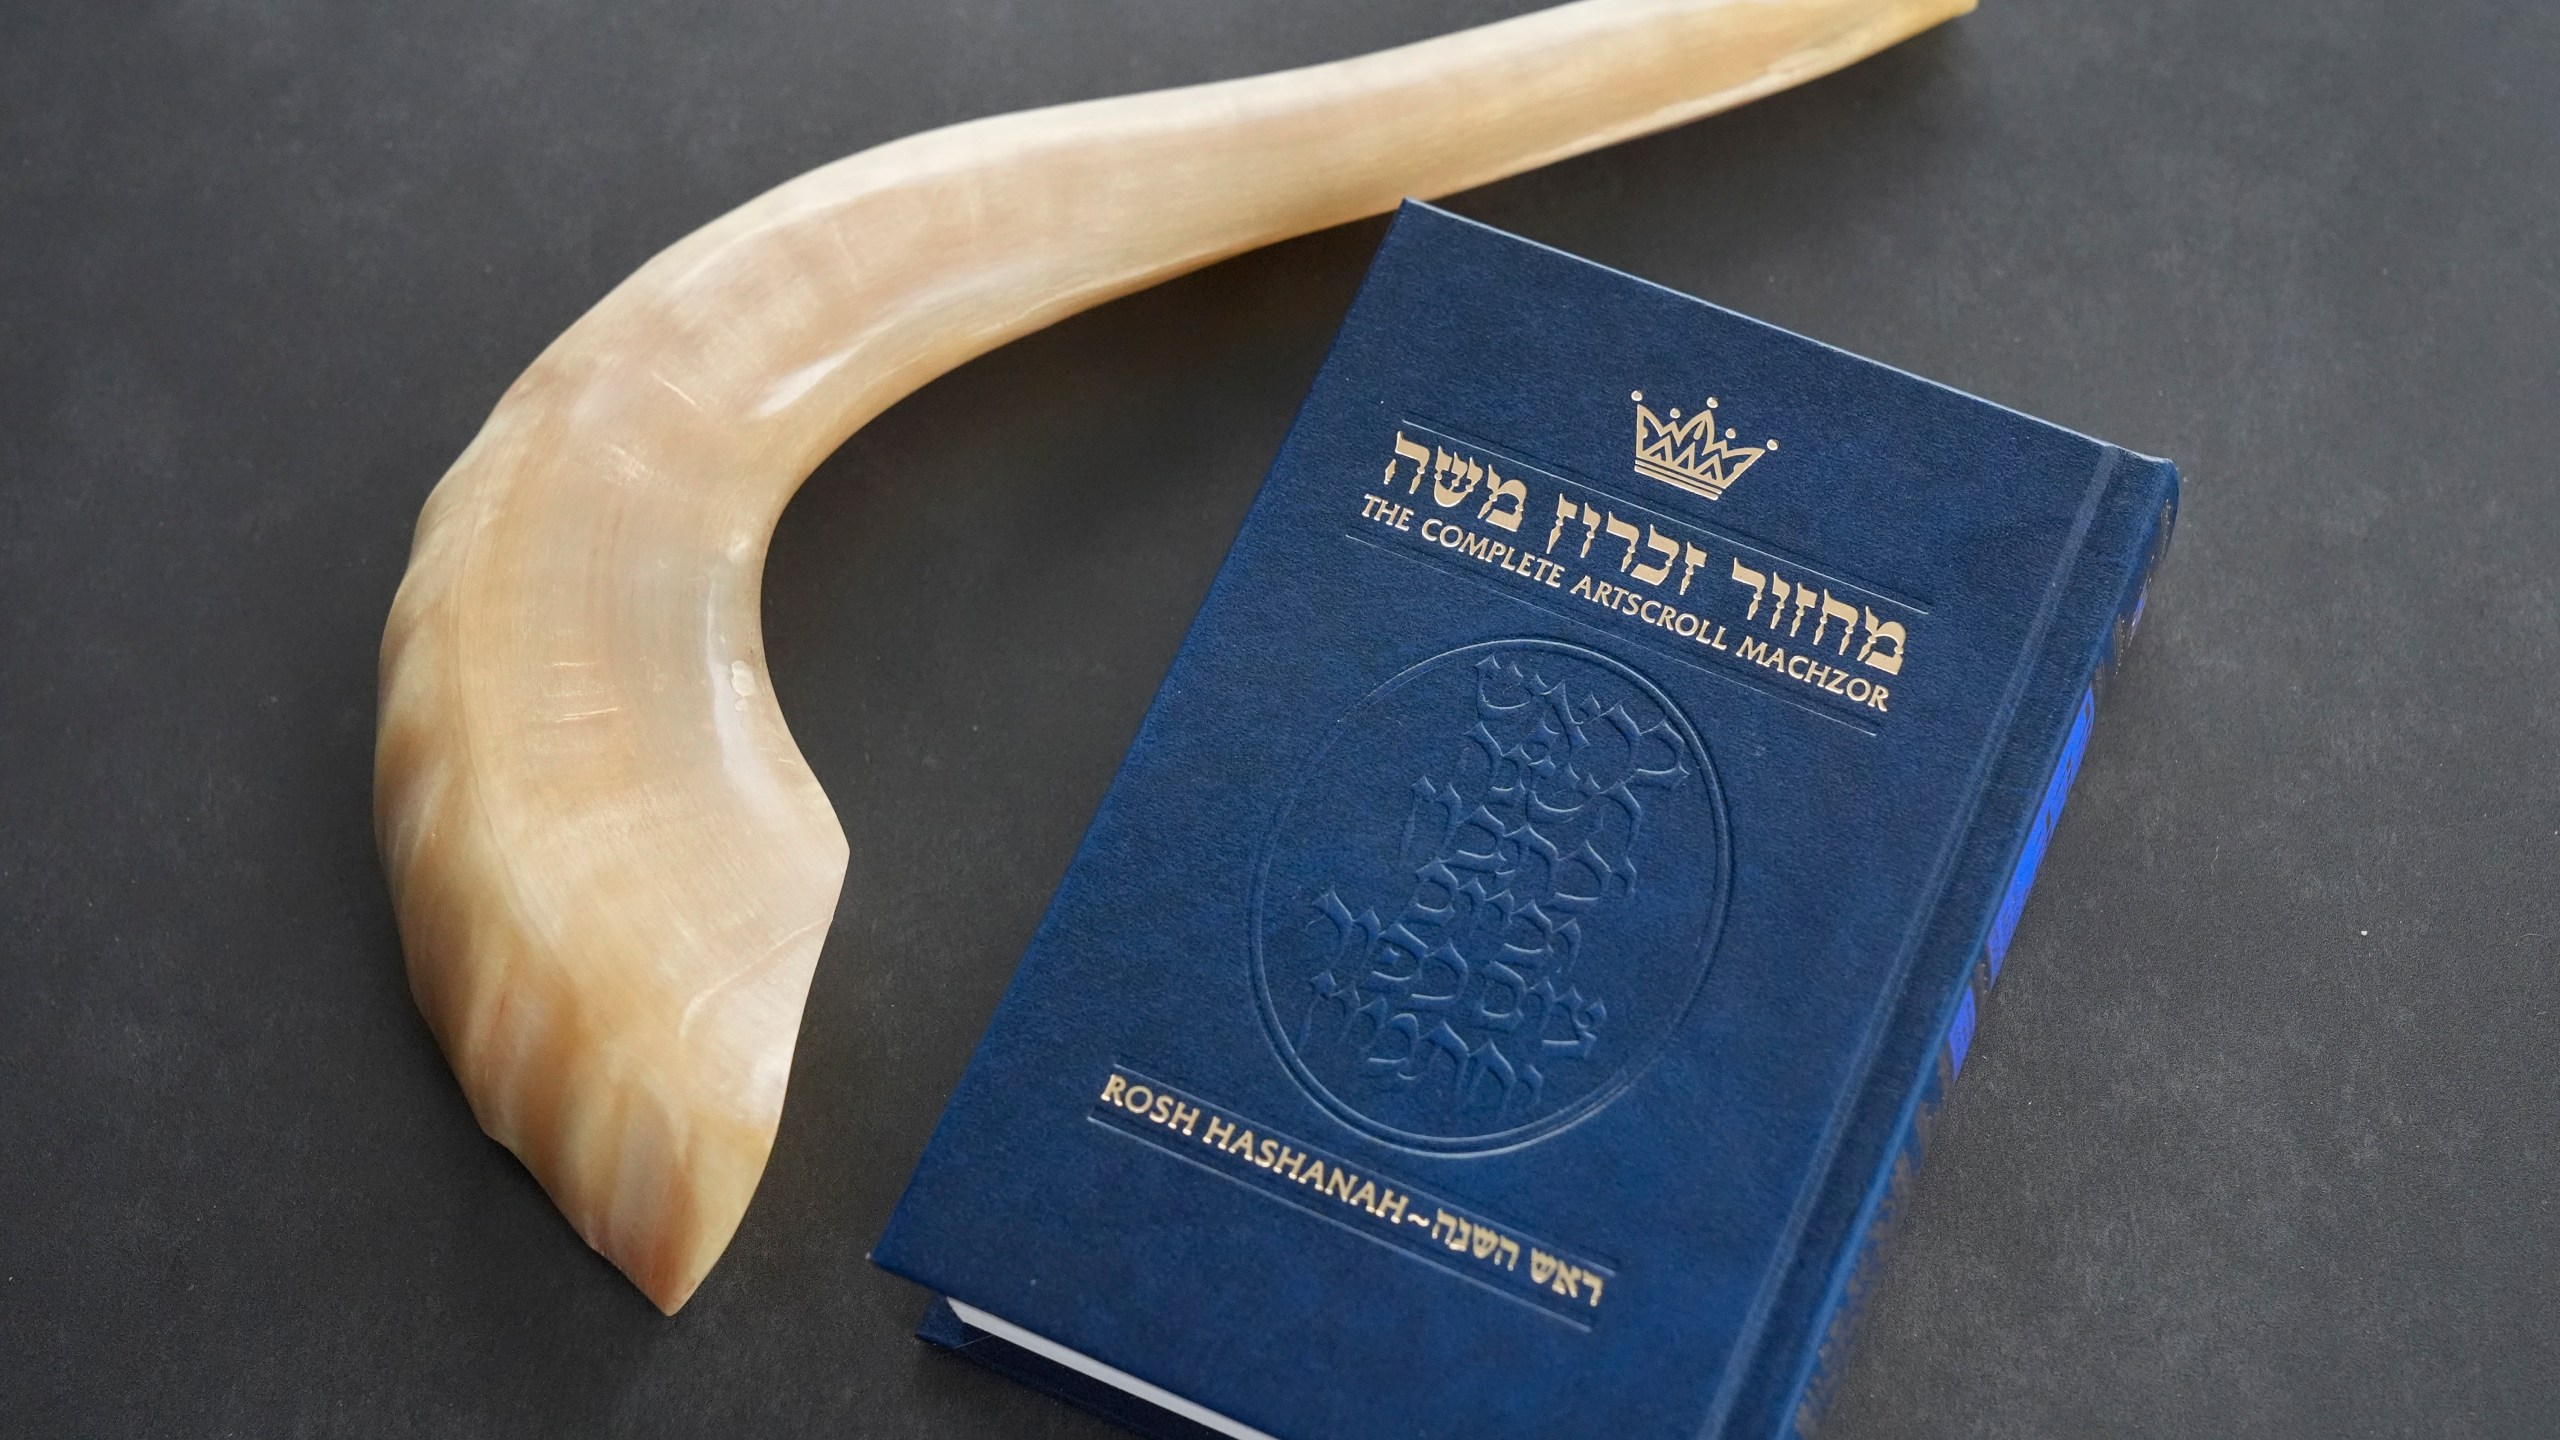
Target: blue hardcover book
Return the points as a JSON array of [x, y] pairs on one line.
[[1508, 982]]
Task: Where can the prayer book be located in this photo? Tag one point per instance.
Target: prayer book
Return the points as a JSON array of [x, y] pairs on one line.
[[1506, 988]]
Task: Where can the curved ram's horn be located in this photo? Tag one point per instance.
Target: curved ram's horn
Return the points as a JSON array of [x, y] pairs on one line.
[[612, 868]]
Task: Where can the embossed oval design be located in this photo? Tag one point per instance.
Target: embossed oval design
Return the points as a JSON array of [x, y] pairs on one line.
[[1491, 897]]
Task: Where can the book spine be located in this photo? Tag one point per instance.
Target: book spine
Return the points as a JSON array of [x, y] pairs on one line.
[[1845, 1308]]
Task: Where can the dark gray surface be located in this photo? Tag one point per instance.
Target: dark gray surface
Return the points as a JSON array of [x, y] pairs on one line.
[[2259, 1138]]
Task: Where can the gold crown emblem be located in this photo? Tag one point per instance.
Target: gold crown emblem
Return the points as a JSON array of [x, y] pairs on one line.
[[1692, 454]]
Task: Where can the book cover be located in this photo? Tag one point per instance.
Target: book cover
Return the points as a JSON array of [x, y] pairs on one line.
[[1507, 983]]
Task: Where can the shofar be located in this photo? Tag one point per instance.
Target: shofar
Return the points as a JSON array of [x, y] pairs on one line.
[[612, 868]]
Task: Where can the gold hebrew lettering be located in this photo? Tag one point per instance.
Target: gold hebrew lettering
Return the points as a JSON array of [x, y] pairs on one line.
[[1420, 455], [1778, 588], [1832, 609], [1496, 491], [1542, 1266], [1595, 1288], [1689, 569], [1565, 510], [1759, 583], [1485, 1240], [1510, 1253], [1568, 1281], [1462, 477], [1668, 548], [1590, 528], [1879, 632], [1449, 1230], [1621, 530], [1805, 597]]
